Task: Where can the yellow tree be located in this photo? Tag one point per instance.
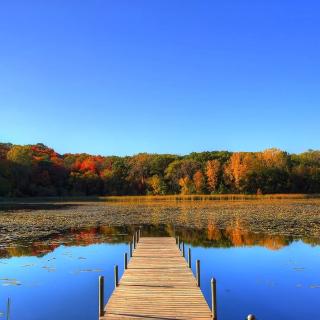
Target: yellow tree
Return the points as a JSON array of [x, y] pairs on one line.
[[213, 168], [156, 185], [238, 167], [273, 158], [20, 154], [186, 185], [199, 182]]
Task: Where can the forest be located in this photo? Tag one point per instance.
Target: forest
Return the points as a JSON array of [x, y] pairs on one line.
[[37, 170]]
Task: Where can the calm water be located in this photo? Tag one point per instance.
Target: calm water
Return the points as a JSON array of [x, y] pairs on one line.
[[273, 277]]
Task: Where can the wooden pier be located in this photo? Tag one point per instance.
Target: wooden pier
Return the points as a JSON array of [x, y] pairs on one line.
[[157, 284]]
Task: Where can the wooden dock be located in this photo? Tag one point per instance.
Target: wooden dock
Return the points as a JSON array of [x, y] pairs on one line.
[[157, 284]]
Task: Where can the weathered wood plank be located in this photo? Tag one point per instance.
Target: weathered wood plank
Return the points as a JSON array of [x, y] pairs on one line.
[[157, 284]]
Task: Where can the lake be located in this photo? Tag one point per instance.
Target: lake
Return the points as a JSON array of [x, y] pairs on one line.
[[272, 275]]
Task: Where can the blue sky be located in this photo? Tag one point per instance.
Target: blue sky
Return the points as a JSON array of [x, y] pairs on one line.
[[122, 77]]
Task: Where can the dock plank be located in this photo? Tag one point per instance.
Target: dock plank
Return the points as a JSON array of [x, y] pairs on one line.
[[157, 285]]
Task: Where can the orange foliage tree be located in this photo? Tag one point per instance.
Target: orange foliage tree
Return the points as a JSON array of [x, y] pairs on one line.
[[213, 169], [238, 168], [186, 184], [199, 182]]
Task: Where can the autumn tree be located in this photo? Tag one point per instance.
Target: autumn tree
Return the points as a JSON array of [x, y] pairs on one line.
[[268, 172], [21, 155], [238, 168], [187, 185], [156, 185], [180, 169], [213, 172], [272, 158], [199, 182], [4, 148]]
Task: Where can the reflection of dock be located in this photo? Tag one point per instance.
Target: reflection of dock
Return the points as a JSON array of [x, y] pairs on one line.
[[157, 284]]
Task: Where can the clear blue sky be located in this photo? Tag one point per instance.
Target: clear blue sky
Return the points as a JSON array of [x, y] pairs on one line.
[[122, 77]]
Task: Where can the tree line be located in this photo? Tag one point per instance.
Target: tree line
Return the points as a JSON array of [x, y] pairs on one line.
[[37, 170]]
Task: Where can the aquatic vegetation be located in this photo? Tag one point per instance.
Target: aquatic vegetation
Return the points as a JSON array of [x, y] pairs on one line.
[[294, 217]]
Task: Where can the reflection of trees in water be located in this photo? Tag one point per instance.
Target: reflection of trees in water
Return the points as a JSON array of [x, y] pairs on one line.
[[78, 237], [240, 236], [214, 233], [235, 235], [311, 241]]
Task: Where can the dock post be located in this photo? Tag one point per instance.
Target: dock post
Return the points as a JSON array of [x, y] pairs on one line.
[[8, 308], [130, 248], [101, 296], [134, 240], [183, 253], [214, 298], [139, 233], [137, 236], [198, 272], [251, 317], [179, 242], [125, 261], [189, 257], [116, 276]]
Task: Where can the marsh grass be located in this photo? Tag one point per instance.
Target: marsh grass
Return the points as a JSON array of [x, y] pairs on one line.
[[213, 197], [147, 198]]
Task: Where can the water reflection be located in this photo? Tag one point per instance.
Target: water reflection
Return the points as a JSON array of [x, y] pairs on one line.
[[235, 235]]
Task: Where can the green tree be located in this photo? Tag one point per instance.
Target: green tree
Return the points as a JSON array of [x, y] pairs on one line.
[[21, 155], [180, 169]]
